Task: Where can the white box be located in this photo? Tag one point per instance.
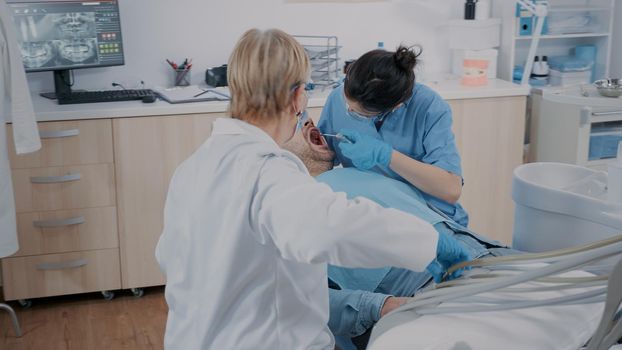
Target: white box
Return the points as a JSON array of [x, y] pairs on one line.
[[489, 55], [474, 34], [557, 78]]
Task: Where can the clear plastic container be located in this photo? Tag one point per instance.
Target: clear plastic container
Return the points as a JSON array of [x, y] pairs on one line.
[[557, 78]]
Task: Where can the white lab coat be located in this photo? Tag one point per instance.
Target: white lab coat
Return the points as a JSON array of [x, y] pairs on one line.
[[247, 236], [16, 107]]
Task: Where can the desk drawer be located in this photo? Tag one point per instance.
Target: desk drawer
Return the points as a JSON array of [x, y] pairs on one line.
[[58, 274], [70, 187], [67, 231], [67, 143]]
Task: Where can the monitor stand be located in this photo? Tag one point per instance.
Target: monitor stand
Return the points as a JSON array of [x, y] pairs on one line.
[[61, 84]]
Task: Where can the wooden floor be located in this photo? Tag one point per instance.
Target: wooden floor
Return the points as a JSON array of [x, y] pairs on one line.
[[89, 322]]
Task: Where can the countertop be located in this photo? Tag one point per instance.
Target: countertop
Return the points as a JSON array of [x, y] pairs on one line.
[[48, 110]]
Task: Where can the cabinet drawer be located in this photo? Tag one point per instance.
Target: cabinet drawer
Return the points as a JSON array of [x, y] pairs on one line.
[[58, 274], [67, 231], [71, 187], [67, 143]]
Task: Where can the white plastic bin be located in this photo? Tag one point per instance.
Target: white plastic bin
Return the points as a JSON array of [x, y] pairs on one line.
[[474, 34], [558, 78], [561, 205]]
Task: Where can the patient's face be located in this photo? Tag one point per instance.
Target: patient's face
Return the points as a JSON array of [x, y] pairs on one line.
[[309, 145]]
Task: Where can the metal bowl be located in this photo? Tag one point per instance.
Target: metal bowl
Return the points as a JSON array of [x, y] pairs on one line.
[[609, 87]]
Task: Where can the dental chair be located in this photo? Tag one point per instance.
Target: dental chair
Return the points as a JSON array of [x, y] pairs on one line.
[[531, 301]]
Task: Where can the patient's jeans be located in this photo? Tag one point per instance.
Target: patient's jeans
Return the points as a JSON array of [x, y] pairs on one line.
[[354, 312]]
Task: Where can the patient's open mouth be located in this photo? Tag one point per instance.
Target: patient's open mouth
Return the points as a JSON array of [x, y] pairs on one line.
[[316, 137]]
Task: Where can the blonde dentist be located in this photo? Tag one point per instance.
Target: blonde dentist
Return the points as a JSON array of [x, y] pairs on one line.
[[248, 232]]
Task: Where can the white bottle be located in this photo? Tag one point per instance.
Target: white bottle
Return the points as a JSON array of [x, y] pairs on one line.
[[614, 178], [482, 9]]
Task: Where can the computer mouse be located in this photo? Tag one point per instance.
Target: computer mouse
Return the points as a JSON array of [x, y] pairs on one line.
[[149, 99]]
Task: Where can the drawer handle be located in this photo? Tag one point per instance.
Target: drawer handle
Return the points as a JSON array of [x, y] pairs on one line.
[[55, 179], [58, 223], [64, 265], [56, 134]]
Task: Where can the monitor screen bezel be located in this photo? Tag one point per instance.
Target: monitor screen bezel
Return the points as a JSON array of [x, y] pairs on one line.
[[99, 65]]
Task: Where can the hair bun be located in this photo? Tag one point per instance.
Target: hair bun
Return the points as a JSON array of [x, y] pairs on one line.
[[406, 57]]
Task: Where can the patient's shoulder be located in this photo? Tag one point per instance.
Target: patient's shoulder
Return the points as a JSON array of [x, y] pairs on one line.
[[369, 184]]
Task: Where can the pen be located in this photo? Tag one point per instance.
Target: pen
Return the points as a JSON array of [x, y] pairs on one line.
[[184, 64], [171, 63], [200, 93], [212, 91]]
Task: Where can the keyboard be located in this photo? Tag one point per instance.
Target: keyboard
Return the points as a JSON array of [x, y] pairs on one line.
[[104, 96]]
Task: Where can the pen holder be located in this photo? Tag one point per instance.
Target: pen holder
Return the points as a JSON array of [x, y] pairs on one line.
[[182, 77]]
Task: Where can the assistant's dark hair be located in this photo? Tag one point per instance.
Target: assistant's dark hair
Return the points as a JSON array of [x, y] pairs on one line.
[[380, 80]]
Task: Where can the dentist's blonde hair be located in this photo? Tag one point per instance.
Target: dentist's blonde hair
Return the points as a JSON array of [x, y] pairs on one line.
[[262, 71]]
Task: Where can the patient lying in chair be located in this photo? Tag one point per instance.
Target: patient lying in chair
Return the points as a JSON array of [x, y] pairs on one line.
[[360, 297]]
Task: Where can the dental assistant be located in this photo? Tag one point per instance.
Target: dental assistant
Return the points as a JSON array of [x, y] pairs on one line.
[[248, 232], [398, 128]]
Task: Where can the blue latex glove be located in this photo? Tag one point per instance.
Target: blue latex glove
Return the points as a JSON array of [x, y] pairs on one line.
[[449, 252], [365, 151]]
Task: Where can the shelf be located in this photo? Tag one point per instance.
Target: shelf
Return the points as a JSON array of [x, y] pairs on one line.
[[578, 9], [564, 36], [598, 162]]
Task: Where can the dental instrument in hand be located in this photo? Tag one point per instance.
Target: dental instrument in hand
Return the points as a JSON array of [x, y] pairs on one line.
[[339, 137]]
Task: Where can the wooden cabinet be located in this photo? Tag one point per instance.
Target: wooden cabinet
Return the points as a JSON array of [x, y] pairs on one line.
[[65, 198], [90, 203], [147, 152], [489, 136]]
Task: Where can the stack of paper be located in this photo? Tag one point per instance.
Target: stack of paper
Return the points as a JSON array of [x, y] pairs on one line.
[[192, 93]]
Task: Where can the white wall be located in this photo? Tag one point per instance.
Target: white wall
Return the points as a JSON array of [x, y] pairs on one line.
[[616, 43], [207, 30]]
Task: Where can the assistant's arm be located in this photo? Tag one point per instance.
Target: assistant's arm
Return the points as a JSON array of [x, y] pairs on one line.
[[428, 178]]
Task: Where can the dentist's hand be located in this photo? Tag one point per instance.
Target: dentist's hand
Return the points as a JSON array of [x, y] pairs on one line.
[[365, 151], [449, 252]]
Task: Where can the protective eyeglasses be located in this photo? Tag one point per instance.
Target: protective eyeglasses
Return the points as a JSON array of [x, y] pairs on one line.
[[308, 86], [378, 118]]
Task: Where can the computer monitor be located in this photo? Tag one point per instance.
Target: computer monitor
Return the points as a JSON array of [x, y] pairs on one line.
[[61, 35]]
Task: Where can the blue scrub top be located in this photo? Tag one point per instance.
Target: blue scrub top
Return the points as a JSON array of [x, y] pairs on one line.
[[420, 128]]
